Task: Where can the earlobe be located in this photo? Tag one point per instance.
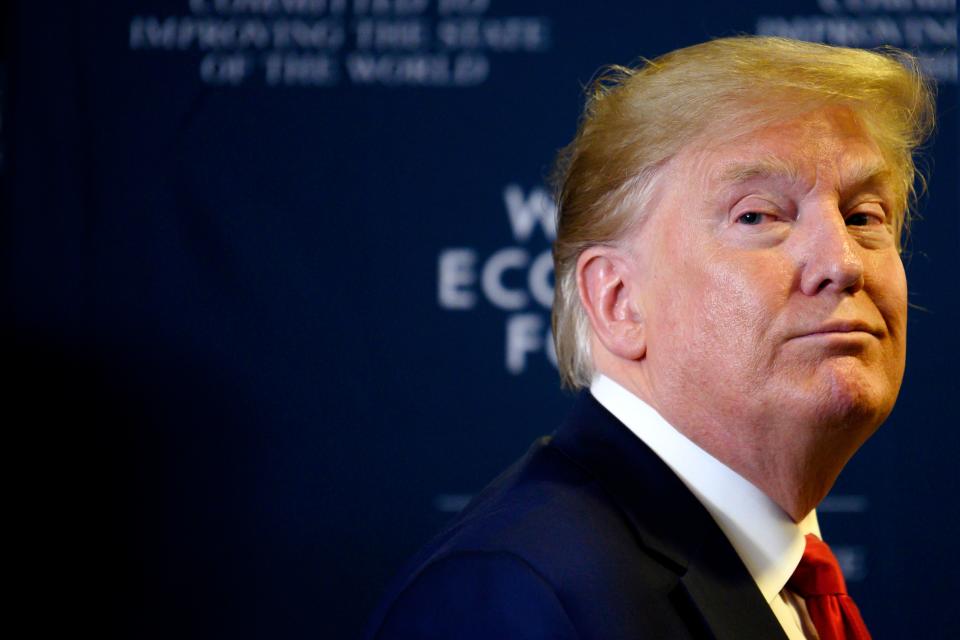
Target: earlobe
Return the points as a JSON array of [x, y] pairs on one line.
[[609, 296]]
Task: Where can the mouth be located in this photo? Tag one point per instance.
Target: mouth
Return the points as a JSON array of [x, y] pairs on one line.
[[841, 329]]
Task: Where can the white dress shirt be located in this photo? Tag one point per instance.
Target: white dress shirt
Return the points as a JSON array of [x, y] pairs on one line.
[[768, 541]]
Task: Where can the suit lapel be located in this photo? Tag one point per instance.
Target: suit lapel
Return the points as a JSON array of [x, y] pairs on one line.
[[670, 523], [727, 598]]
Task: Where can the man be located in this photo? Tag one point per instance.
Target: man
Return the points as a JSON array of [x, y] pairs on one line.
[[730, 289]]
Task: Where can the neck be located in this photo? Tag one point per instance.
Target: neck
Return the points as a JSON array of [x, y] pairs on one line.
[[795, 472]]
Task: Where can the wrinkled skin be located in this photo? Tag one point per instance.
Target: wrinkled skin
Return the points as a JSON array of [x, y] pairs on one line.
[[773, 301]]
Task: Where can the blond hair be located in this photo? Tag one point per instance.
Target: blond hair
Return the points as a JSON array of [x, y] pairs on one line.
[[637, 118]]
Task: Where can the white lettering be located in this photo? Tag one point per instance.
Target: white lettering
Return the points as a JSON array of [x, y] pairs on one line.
[[495, 34], [539, 279], [388, 69], [149, 33], [391, 34], [851, 32], [395, 7], [513, 278], [173, 33], [446, 7], [524, 213], [860, 7], [829, 6], [931, 31], [865, 6], [319, 34], [266, 7], [223, 69], [947, 6], [492, 278], [455, 273], [300, 70], [852, 561], [470, 69], [524, 335]]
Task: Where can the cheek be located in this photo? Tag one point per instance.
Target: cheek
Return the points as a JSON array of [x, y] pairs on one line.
[[739, 303], [892, 298], [888, 289]]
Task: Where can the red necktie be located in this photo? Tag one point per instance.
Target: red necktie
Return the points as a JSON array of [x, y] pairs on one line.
[[819, 581]]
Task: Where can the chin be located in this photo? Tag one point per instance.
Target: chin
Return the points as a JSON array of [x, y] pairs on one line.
[[853, 395]]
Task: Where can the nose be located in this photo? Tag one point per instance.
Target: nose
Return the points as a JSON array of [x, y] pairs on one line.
[[830, 256]]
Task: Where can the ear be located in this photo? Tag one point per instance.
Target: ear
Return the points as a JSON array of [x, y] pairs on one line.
[[608, 293]]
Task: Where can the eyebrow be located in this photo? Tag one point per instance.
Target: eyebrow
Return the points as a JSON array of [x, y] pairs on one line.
[[769, 167], [863, 172]]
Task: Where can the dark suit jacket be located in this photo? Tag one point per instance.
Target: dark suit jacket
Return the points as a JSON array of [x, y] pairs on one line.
[[589, 535]]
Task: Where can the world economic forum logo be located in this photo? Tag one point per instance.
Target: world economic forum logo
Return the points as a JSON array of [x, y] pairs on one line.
[[518, 278]]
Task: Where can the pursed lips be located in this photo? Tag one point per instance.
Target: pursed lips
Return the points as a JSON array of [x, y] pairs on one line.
[[840, 327]]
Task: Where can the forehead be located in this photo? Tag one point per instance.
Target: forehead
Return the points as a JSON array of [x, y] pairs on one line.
[[829, 144]]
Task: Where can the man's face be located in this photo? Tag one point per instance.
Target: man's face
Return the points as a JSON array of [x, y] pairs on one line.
[[773, 294]]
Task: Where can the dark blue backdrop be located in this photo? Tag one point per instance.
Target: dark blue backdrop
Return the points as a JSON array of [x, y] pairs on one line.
[[273, 306]]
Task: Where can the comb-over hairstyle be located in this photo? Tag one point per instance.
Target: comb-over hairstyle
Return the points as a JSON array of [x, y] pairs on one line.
[[637, 118]]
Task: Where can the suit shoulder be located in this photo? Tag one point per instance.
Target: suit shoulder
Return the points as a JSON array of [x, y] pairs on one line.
[[546, 529], [541, 505], [556, 517], [471, 594]]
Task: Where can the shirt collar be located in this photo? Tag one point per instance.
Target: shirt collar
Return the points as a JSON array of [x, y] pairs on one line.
[[768, 541]]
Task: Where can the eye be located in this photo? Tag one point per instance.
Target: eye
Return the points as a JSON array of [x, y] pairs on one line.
[[751, 218], [867, 214], [858, 220]]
